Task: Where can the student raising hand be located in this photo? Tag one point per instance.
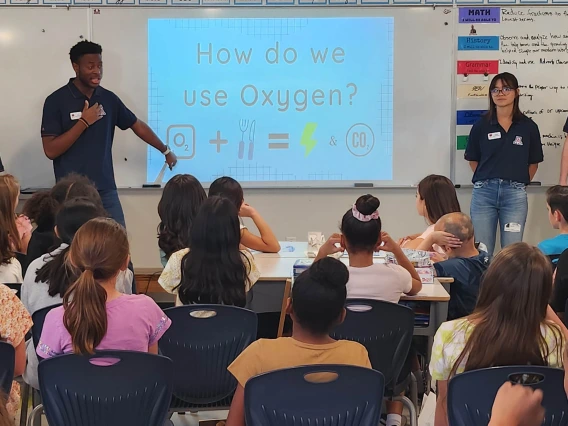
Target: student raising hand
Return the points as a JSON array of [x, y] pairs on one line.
[[331, 246]]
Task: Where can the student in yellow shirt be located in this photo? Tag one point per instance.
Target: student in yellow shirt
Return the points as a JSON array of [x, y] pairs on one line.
[[316, 306]]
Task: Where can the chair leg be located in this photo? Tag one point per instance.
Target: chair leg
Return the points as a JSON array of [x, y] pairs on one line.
[[411, 409], [35, 416], [25, 402], [414, 391]]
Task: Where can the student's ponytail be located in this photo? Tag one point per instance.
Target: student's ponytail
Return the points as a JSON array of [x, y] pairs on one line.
[[85, 313], [98, 252]]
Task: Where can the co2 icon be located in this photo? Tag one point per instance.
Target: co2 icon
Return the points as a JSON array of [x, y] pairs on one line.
[[360, 140]]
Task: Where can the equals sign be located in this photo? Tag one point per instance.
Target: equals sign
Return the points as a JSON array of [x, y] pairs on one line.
[[282, 137]]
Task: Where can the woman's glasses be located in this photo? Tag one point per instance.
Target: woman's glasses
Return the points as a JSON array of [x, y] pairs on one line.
[[504, 90]]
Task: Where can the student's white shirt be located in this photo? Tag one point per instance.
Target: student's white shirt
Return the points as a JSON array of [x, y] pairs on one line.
[[386, 282], [11, 272]]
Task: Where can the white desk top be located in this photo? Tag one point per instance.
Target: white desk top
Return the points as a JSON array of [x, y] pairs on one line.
[[280, 269]]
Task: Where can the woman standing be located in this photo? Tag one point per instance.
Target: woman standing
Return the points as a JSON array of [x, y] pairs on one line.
[[503, 150]]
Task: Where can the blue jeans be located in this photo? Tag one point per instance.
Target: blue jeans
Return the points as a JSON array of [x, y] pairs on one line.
[[112, 205], [499, 200]]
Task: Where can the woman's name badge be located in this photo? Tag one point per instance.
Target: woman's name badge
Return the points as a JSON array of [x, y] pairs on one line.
[[492, 136], [76, 115]]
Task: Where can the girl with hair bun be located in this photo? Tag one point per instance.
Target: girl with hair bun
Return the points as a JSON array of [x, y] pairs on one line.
[[361, 235]]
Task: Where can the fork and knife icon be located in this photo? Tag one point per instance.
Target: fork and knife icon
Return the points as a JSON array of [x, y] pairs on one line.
[[245, 125]]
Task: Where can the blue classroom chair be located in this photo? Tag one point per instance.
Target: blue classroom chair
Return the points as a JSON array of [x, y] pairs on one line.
[[338, 395], [7, 360], [38, 318], [201, 347], [471, 394], [386, 330], [109, 388]]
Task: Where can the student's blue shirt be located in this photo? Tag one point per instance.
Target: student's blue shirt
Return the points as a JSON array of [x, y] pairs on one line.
[[553, 247], [91, 154], [466, 272]]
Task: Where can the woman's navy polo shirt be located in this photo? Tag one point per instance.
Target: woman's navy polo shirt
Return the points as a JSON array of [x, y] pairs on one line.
[[504, 155], [91, 154]]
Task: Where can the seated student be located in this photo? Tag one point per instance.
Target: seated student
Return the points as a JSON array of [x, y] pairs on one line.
[[435, 197], [95, 315], [231, 189], [560, 287], [48, 277], [557, 204], [361, 236], [214, 270], [180, 202], [509, 326], [465, 264], [42, 208], [316, 306], [15, 322], [15, 232]]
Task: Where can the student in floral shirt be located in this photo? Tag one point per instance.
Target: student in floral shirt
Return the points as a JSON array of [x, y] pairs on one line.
[[15, 322]]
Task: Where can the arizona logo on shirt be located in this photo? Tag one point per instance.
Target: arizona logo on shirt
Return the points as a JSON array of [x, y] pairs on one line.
[[518, 141]]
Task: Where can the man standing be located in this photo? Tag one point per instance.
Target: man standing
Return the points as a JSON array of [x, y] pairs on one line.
[[78, 124]]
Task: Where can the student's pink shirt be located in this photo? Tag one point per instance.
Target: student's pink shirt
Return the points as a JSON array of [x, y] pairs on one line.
[[135, 323]]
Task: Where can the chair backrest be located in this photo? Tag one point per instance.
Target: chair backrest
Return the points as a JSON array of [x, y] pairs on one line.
[[384, 328], [38, 319], [315, 395], [203, 341], [91, 391], [471, 394], [7, 359]]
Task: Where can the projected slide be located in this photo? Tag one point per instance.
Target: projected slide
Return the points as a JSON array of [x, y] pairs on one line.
[[274, 99]]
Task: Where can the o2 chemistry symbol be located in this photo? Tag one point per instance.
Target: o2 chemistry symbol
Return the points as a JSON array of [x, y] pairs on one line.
[[360, 140]]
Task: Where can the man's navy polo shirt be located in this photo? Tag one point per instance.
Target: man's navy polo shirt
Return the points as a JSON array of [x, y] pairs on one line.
[[504, 155], [91, 154], [1, 166], [566, 126]]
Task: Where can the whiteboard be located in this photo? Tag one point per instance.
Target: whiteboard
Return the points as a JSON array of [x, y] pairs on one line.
[[34, 52], [422, 92], [35, 41], [541, 65]]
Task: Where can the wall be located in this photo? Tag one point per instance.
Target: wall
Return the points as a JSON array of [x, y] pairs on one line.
[[293, 213]]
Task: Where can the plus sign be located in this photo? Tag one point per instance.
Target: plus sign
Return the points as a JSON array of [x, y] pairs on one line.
[[218, 141]]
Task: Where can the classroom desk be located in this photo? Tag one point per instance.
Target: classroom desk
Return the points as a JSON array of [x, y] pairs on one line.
[[276, 268]]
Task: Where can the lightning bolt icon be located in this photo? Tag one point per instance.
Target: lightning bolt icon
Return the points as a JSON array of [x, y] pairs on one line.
[[306, 139]]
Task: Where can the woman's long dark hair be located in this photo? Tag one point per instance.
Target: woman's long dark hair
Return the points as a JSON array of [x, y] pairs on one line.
[[510, 312], [74, 214], [439, 195], [507, 80], [214, 271], [180, 202]]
